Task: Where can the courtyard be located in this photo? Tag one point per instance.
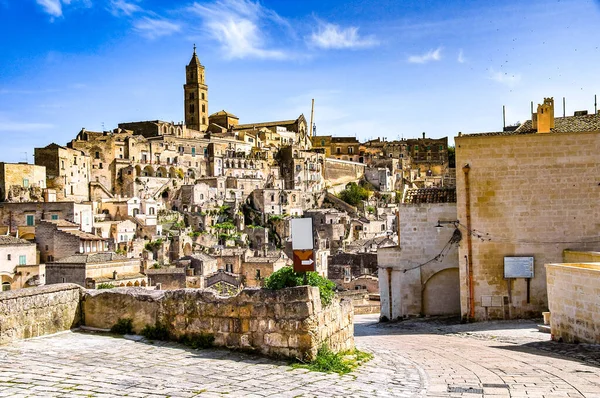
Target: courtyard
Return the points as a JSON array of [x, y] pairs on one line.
[[415, 358]]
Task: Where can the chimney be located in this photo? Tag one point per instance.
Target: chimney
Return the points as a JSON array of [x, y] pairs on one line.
[[545, 116], [423, 135]]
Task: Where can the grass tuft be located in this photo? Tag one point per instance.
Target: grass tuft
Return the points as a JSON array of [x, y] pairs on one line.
[[341, 363]]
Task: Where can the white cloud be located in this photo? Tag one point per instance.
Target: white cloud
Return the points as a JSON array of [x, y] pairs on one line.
[[122, 7], [507, 78], [240, 27], [461, 57], [154, 27], [333, 36], [55, 7], [431, 55], [52, 7]]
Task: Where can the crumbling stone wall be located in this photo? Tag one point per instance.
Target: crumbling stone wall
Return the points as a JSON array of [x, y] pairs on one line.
[[286, 323], [38, 311]]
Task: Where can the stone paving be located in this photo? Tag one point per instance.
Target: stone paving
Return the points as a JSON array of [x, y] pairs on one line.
[[411, 359]]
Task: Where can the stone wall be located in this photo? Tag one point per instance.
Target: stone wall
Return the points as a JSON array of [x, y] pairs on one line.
[[530, 195], [38, 311], [574, 302], [342, 172], [287, 323], [574, 256]]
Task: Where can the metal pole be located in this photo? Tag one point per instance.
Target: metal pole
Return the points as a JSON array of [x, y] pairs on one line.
[[564, 107], [312, 113], [503, 118]]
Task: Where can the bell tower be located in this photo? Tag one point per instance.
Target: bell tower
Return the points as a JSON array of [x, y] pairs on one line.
[[195, 95]]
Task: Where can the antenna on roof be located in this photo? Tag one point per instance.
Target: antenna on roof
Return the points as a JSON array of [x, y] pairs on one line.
[[503, 117], [595, 105], [103, 127], [532, 107], [564, 107]]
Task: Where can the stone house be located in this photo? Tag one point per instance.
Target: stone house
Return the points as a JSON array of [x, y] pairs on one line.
[[330, 224], [257, 266], [23, 217], [19, 264], [344, 267], [370, 245], [342, 148], [278, 202], [169, 278], [92, 269], [57, 239], [529, 193], [21, 182], [423, 270], [301, 170], [368, 228], [67, 171]]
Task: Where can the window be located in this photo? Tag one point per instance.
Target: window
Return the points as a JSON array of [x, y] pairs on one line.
[[338, 150], [257, 276], [8, 257], [97, 155], [191, 108], [22, 260], [192, 96], [193, 151], [416, 147], [202, 95], [100, 166], [54, 217], [441, 147], [30, 220], [25, 183], [322, 142], [75, 160], [203, 108], [5, 286], [62, 164], [229, 267], [350, 150]]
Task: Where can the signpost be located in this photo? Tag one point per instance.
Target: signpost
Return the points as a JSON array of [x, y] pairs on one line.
[[302, 244]]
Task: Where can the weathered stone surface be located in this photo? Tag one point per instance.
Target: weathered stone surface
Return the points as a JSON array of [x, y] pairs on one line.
[[288, 322], [38, 311]]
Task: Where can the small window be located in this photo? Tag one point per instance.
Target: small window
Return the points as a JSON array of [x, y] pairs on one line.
[[229, 267], [97, 155], [5, 286], [338, 150], [100, 166], [30, 220], [192, 96], [22, 260], [8, 257], [25, 183], [322, 142], [257, 277], [202, 95], [54, 217]]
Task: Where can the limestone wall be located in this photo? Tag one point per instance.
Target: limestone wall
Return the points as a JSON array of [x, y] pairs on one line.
[[531, 195], [38, 311], [574, 302], [342, 172], [574, 256], [287, 323]]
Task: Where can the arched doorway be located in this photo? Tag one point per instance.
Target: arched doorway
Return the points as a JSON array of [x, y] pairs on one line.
[[187, 249], [441, 294]]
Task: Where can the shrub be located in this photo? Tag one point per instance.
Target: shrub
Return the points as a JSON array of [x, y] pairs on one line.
[[198, 340], [286, 277], [353, 194], [156, 332], [123, 326], [342, 362], [105, 286]]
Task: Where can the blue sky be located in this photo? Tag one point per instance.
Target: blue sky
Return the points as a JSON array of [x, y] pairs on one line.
[[386, 68]]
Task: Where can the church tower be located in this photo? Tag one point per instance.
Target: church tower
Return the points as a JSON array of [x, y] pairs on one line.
[[195, 95]]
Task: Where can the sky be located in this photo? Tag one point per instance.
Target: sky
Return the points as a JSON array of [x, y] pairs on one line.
[[377, 68]]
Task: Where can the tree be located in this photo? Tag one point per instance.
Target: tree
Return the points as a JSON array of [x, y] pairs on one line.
[[353, 194], [451, 157]]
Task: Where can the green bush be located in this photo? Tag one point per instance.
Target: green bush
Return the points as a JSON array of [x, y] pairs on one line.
[[353, 194], [156, 332], [198, 340], [105, 286], [329, 362], [123, 326], [286, 277]]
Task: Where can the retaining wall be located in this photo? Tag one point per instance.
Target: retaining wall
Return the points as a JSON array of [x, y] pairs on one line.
[[38, 311], [286, 323], [574, 302]]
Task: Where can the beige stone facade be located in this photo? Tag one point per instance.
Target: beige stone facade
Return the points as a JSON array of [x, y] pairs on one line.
[[526, 194], [19, 264], [21, 182], [67, 171]]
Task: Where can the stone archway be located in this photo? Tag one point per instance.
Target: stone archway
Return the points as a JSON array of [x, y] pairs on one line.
[[187, 249], [441, 293]]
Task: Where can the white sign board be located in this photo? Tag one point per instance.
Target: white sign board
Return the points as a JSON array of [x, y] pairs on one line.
[[518, 267], [302, 233]]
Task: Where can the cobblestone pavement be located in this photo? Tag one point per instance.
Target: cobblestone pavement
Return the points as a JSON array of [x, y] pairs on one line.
[[413, 358]]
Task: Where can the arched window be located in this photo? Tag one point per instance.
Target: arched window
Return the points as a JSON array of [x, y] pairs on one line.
[[151, 211]]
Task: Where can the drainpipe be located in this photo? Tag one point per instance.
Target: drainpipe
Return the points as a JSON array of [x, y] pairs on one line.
[[466, 168], [389, 272]]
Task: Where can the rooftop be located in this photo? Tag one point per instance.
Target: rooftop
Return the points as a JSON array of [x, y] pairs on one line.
[[11, 240], [430, 195], [91, 258]]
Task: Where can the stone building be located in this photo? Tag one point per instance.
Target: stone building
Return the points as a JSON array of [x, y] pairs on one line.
[[257, 266], [195, 95], [301, 170], [92, 269], [422, 270], [19, 264], [21, 182], [341, 148], [278, 202], [67, 171], [57, 239], [169, 278], [23, 217], [331, 225], [345, 267], [528, 193]]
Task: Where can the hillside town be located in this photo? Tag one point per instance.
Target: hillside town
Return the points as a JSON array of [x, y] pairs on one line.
[[178, 226]]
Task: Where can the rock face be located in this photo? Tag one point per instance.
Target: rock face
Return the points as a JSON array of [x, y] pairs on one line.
[[38, 311], [284, 323]]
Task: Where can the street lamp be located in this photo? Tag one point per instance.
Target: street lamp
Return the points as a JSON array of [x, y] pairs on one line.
[[440, 223]]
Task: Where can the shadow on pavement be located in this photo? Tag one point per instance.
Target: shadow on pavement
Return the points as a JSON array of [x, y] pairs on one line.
[[585, 354]]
